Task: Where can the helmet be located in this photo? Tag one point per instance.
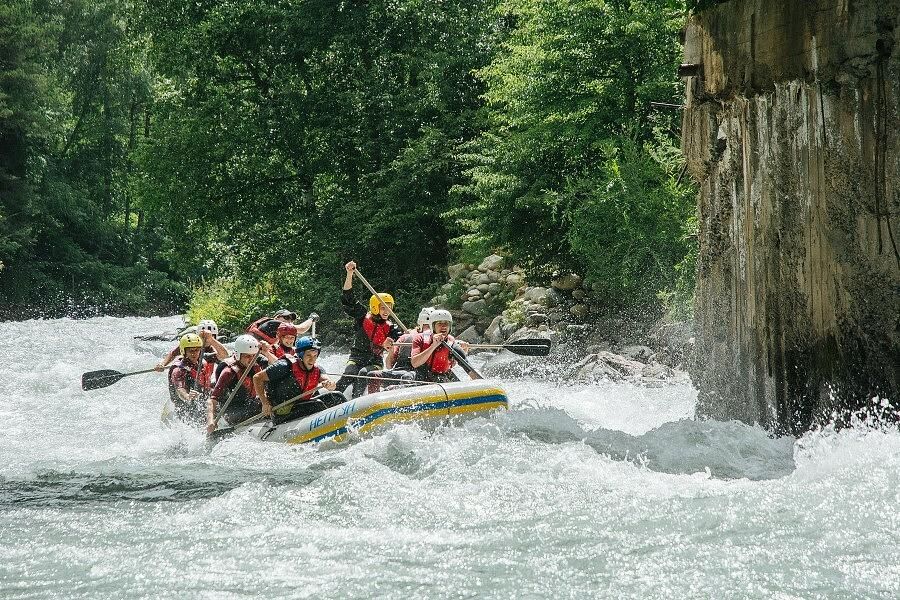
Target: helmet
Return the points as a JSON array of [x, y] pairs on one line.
[[375, 305], [423, 315], [189, 340], [287, 329], [439, 314], [208, 325], [308, 343], [246, 344]]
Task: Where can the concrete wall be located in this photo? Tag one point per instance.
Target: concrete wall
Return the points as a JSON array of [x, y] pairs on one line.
[[792, 130]]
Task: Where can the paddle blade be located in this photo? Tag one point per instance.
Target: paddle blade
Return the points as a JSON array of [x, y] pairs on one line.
[[218, 434], [93, 380], [531, 347]]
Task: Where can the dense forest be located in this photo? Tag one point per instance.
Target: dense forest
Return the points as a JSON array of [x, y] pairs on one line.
[[230, 156]]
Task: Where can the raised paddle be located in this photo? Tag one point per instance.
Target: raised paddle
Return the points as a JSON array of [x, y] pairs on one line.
[[530, 347], [470, 370], [94, 380]]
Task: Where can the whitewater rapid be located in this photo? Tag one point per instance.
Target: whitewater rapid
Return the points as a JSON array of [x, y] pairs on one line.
[[609, 491]]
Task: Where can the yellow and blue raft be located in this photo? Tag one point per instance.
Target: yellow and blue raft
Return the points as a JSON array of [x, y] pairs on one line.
[[434, 404]]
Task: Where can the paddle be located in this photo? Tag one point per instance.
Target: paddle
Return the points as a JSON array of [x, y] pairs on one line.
[[405, 381], [94, 380], [220, 433], [237, 386], [530, 347], [469, 369]]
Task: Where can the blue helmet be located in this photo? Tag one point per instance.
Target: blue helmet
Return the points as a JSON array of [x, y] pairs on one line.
[[308, 343]]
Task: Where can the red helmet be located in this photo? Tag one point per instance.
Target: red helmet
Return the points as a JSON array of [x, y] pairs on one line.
[[287, 329]]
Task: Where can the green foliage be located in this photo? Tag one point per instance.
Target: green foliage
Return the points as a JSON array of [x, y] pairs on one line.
[[576, 170]]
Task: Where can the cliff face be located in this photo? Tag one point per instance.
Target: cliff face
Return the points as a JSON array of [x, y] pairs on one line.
[[792, 129]]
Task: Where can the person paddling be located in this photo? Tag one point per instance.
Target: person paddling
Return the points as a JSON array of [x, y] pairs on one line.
[[374, 333], [245, 403], [289, 377], [397, 362], [213, 350], [186, 380], [285, 338], [266, 328], [432, 359]]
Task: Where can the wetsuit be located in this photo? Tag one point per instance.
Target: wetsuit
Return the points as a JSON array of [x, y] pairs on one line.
[[402, 368], [366, 352], [245, 404]]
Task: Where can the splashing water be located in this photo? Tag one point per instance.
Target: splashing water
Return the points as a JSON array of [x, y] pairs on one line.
[[590, 491]]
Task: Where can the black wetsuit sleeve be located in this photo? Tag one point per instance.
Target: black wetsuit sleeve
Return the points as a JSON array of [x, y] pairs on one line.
[[278, 370], [395, 332], [352, 306]]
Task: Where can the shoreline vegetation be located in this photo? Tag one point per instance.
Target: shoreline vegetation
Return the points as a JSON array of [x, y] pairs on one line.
[[226, 160]]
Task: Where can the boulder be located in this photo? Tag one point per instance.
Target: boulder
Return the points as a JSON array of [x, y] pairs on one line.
[[514, 280], [491, 263], [552, 299], [566, 282], [536, 294], [579, 294], [537, 318], [579, 311], [456, 271], [470, 334], [637, 352], [477, 307], [494, 332], [494, 287], [484, 278], [483, 287]]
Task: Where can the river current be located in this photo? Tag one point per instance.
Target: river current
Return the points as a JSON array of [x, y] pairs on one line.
[[606, 491]]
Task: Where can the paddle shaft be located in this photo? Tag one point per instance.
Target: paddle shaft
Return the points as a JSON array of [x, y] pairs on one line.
[[305, 394], [406, 381], [236, 388], [457, 355]]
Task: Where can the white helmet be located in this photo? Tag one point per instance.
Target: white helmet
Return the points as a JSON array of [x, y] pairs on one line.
[[208, 325], [423, 315], [246, 344], [437, 315]]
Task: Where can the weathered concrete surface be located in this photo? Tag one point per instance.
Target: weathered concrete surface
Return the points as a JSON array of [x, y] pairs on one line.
[[793, 133]]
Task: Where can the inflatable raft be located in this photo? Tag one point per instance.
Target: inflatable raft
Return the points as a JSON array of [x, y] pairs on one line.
[[433, 404]]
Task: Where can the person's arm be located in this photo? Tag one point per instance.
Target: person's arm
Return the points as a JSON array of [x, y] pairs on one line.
[[265, 350], [391, 359], [259, 384], [221, 351], [222, 383], [304, 326], [178, 377], [422, 357], [161, 365]]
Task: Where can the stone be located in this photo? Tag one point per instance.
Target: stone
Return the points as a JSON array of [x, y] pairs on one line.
[[636, 352], [456, 271], [514, 280], [494, 331], [474, 293], [470, 334], [484, 278], [579, 311], [566, 282], [491, 263], [536, 294], [483, 287], [579, 294], [494, 288], [537, 318], [477, 307], [552, 299]]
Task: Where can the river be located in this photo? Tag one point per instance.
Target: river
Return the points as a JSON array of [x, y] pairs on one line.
[[607, 491]]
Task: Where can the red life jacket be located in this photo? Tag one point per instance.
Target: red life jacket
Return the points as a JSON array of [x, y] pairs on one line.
[[306, 380], [238, 370], [376, 332], [256, 331], [204, 380], [280, 351], [440, 361]]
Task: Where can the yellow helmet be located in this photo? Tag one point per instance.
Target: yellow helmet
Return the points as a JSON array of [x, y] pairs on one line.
[[189, 340], [375, 305]]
